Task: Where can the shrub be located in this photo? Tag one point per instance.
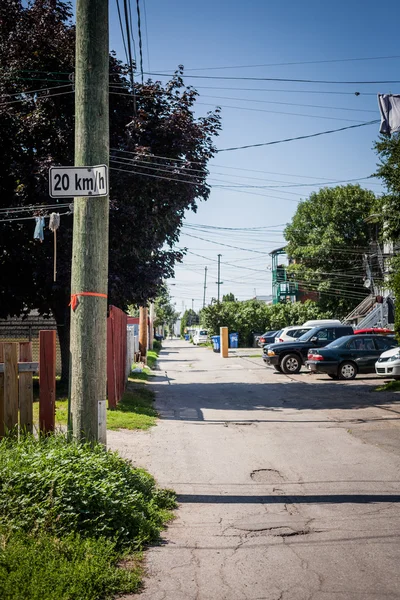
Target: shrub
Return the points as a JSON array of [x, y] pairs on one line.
[[58, 487]]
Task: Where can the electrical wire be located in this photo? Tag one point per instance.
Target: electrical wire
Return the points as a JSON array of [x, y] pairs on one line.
[[283, 79], [147, 35], [44, 97], [122, 32], [130, 62], [37, 91], [301, 137], [140, 38], [282, 64]]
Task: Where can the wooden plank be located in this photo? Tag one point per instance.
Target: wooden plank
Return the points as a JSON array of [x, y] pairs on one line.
[[11, 386], [25, 389], [24, 367], [47, 381], [1, 391]]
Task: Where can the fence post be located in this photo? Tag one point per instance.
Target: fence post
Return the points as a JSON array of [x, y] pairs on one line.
[[25, 390], [47, 380], [111, 381], [10, 386], [1, 392]]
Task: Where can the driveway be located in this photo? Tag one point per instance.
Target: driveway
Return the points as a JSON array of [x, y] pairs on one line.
[[288, 487]]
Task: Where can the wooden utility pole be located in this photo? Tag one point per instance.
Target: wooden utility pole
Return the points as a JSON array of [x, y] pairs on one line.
[[90, 235], [143, 327], [219, 282], [205, 286]]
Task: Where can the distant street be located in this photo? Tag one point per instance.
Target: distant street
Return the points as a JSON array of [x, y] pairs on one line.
[[288, 487]]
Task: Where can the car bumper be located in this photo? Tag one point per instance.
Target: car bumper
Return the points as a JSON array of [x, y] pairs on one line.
[[388, 369], [271, 360], [317, 366]]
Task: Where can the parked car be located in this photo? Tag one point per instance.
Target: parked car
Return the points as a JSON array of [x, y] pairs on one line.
[[200, 337], [347, 356], [268, 337], [388, 364], [289, 357], [320, 322], [158, 337], [288, 334]]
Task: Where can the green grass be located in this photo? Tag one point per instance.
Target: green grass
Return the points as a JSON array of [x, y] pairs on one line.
[[43, 567], [390, 386], [72, 518], [152, 356], [134, 411]]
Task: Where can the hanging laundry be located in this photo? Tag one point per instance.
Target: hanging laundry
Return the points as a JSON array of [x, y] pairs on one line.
[[39, 234], [389, 106]]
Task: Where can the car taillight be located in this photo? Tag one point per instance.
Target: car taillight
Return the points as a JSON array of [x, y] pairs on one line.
[[315, 357], [281, 340], [262, 340]]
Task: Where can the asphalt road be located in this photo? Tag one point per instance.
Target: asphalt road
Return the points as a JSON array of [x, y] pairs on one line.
[[289, 487]]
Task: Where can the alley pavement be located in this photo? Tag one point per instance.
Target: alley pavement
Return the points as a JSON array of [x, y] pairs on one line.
[[288, 487]]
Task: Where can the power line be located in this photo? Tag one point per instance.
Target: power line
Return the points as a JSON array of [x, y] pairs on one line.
[[147, 35], [140, 38], [283, 79], [43, 97], [301, 137], [122, 31], [282, 64]]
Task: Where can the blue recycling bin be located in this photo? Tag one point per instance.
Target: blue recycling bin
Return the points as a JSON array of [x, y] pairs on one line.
[[233, 340], [216, 340], [187, 337]]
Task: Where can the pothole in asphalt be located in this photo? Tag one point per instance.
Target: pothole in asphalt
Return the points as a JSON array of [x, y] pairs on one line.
[[266, 476], [237, 423], [275, 525]]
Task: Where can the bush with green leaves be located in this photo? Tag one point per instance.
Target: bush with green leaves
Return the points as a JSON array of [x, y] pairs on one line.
[[58, 487], [252, 316], [157, 345]]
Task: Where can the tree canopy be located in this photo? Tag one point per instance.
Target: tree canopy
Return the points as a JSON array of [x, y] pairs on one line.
[[155, 140], [166, 315], [327, 240], [254, 317]]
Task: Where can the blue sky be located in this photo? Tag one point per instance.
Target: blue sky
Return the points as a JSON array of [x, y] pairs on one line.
[[206, 35]]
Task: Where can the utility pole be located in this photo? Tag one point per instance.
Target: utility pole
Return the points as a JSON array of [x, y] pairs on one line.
[[89, 278], [219, 282], [205, 286], [143, 329], [192, 304]]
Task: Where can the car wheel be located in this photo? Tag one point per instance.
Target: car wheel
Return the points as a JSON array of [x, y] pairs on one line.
[[333, 376], [278, 368], [347, 370], [291, 364]]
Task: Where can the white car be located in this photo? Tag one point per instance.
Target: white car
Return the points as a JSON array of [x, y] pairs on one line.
[[288, 334], [200, 337], [388, 364]]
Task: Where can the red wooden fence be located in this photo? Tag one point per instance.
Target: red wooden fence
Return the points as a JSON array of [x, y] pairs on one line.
[[116, 355]]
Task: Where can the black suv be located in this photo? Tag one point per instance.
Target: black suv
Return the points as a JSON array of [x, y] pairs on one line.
[[288, 357]]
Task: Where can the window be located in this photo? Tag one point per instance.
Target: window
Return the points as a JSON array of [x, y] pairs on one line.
[[326, 335], [385, 343], [361, 343]]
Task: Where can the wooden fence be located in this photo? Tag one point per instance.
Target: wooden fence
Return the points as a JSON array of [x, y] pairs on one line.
[[16, 384], [116, 355]]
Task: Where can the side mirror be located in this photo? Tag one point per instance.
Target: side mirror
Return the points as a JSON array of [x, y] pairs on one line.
[[314, 339]]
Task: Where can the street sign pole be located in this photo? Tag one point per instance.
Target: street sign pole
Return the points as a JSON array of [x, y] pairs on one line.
[[90, 235]]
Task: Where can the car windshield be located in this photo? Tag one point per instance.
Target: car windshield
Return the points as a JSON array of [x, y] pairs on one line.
[[203, 332]]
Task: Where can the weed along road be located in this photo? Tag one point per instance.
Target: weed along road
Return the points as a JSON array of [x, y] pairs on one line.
[[288, 487]]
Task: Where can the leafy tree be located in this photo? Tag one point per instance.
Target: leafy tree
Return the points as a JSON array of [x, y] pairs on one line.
[[166, 315], [37, 45], [388, 150], [327, 239], [189, 318], [228, 297], [252, 316]]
